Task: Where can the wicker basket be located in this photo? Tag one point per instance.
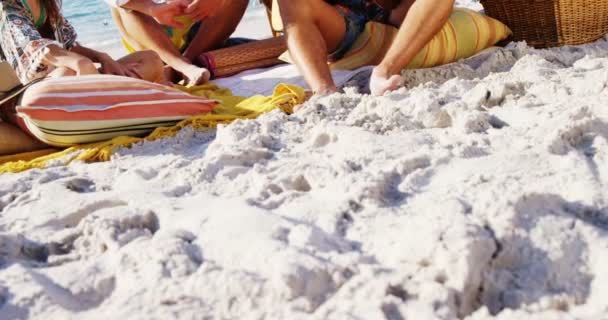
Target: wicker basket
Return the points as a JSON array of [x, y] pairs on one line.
[[551, 23]]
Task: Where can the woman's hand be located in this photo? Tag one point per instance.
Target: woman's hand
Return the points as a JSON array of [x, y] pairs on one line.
[[58, 57], [201, 9], [111, 66]]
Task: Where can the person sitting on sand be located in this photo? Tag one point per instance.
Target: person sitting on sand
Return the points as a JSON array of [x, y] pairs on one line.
[[38, 42], [204, 25], [318, 30]]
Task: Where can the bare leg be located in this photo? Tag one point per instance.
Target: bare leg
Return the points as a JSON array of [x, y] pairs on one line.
[[147, 64], [313, 28], [215, 30], [419, 22], [62, 72], [144, 33], [13, 140]]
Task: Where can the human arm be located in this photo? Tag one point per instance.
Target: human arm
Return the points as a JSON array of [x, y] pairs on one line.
[[57, 57], [108, 65], [418, 25], [31, 55], [421, 23]]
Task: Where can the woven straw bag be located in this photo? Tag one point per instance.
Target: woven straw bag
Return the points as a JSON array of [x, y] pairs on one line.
[[551, 23]]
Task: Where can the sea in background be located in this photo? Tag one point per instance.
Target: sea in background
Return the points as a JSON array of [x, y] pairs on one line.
[[93, 22]]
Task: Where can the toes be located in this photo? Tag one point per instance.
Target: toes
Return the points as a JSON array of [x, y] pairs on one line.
[[201, 76]]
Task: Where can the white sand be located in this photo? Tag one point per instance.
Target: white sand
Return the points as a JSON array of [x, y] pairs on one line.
[[478, 192]]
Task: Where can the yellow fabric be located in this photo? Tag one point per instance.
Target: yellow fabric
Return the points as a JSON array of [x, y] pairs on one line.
[[285, 97], [178, 36], [466, 33], [26, 156]]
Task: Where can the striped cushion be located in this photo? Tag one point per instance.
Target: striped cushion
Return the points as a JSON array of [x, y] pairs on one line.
[[75, 110], [466, 33]]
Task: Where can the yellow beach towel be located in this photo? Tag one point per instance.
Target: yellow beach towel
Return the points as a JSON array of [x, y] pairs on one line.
[[285, 98]]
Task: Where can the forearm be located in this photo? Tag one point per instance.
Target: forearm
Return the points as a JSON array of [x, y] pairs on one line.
[[58, 57], [423, 21], [89, 53]]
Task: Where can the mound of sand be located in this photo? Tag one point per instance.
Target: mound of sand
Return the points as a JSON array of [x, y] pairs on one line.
[[478, 191]]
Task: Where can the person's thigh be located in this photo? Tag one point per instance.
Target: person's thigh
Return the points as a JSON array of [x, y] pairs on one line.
[[326, 17], [147, 64], [131, 39], [13, 140], [234, 9], [62, 72]]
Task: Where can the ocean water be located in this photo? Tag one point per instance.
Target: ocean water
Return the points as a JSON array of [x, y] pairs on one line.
[[93, 22]]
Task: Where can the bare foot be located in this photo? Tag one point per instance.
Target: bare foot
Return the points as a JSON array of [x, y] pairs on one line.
[[381, 83], [196, 76]]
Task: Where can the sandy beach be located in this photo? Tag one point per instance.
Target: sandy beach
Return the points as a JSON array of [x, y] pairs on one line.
[[478, 191]]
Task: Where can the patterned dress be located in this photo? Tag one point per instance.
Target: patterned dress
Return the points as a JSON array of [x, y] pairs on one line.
[[21, 43]]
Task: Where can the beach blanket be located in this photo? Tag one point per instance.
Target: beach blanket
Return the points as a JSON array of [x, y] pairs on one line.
[[263, 81]]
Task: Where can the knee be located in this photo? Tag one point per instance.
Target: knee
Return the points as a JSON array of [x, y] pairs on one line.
[[150, 56], [62, 72], [151, 59], [293, 10]]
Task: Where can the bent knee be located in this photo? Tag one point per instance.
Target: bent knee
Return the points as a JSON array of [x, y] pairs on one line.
[[293, 10], [150, 56]]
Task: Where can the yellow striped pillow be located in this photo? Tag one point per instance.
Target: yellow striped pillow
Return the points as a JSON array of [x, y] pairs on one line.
[[466, 33]]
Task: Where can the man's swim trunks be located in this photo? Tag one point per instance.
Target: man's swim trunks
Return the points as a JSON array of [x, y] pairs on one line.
[[356, 13]]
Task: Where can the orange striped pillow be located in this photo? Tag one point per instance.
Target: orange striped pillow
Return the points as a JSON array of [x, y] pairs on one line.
[[75, 110]]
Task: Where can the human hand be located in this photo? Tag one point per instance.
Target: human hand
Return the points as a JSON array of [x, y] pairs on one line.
[[201, 9], [381, 81], [166, 13], [111, 66]]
